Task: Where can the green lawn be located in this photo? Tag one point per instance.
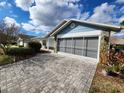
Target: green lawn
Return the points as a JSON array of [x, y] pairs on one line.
[[4, 59]]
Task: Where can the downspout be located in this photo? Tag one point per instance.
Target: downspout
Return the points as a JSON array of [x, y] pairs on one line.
[[55, 44], [83, 48], [48, 43]]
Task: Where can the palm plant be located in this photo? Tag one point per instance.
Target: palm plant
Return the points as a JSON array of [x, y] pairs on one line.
[[3, 48]]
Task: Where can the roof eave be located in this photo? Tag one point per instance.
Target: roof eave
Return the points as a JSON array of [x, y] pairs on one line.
[[61, 23], [100, 25]]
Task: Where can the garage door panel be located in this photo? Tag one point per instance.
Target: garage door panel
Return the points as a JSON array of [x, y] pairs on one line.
[[92, 54], [62, 43], [84, 52], [79, 43], [93, 44], [92, 47], [62, 49], [69, 43], [78, 52], [68, 50], [86, 46]]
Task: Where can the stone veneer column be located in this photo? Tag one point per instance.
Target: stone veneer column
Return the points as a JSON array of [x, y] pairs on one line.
[[104, 47]]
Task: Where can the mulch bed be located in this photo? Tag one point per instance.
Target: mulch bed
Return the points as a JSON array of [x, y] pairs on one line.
[[117, 79], [105, 83]]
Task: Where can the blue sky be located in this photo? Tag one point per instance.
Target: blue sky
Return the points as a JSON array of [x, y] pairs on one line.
[[39, 17]]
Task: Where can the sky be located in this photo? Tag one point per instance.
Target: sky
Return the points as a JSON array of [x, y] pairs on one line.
[[39, 17]]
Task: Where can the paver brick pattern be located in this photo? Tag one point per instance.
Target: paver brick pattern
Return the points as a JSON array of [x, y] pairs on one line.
[[48, 73]]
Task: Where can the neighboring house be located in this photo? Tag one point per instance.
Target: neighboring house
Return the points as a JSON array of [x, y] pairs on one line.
[[20, 42], [117, 41], [23, 40], [47, 43], [83, 38]]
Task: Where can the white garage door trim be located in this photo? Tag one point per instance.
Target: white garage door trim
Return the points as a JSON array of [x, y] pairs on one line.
[[99, 37], [85, 46]]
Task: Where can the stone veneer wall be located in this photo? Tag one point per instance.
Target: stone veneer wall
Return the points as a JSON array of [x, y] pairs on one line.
[[104, 47]]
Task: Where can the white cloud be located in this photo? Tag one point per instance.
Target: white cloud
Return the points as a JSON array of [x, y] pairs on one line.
[[37, 28], [85, 16], [28, 27], [10, 21], [45, 14], [24, 4], [5, 4], [50, 12], [2, 4], [122, 10], [120, 1], [104, 13], [121, 19]]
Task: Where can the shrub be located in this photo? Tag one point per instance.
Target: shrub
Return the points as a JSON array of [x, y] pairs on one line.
[[34, 45], [14, 43], [4, 59], [119, 47], [113, 70], [20, 51], [121, 75], [21, 46], [122, 70], [3, 48], [115, 91], [2, 51]]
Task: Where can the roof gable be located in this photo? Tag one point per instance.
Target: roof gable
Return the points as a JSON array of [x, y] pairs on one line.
[[65, 23], [75, 28]]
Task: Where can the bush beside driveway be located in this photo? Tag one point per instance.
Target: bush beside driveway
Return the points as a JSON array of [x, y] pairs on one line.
[[4, 59]]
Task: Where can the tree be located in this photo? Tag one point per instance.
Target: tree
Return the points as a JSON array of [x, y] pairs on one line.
[[8, 32], [122, 23]]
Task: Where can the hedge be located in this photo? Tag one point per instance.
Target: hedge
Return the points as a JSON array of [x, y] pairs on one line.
[[35, 45], [21, 51], [4, 59]]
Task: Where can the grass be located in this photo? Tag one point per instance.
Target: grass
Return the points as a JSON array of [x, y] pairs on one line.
[[5, 59], [106, 84]]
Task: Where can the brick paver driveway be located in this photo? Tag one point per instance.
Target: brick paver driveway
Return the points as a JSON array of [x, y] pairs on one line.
[[48, 73]]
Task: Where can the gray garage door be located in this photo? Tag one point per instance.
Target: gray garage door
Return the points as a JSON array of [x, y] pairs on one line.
[[85, 46]]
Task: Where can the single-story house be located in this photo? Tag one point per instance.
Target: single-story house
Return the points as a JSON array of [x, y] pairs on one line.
[[87, 39], [20, 42], [23, 40], [47, 43]]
